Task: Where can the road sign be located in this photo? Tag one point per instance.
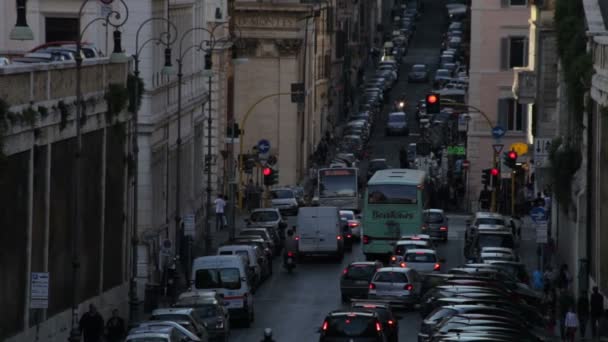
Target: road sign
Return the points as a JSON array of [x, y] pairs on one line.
[[189, 225], [542, 147], [263, 146], [39, 290], [538, 215], [466, 164], [457, 150], [520, 148], [498, 132], [542, 233], [497, 148]]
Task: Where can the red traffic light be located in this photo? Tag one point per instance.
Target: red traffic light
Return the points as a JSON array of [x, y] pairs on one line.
[[512, 155], [432, 98], [494, 172], [267, 171]]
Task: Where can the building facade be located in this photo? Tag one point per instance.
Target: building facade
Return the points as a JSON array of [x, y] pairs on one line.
[[499, 43]]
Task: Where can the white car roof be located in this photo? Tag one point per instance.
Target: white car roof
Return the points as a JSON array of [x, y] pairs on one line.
[[498, 249], [421, 250], [264, 209], [485, 214], [393, 269], [172, 311], [412, 242], [439, 211], [491, 226], [415, 237]]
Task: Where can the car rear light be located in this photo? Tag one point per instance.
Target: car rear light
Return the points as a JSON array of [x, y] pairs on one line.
[[365, 239], [349, 236], [353, 224], [443, 229], [345, 271], [391, 322], [372, 286], [420, 253], [393, 258], [409, 287], [324, 327], [290, 254], [437, 267], [297, 238], [403, 265], [339, 237], [378, 326]]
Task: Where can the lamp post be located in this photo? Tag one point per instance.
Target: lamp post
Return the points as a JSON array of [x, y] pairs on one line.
[[114, 19], [166, 38]]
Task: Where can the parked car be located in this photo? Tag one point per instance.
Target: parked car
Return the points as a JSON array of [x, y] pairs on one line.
[[267, 217], [164, 334], [184, 317], [209, 306], [151, 326], [355, 279], [285, 200]]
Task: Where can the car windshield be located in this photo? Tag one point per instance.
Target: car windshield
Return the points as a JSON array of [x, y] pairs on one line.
[[441, 313], [419, 68], [390, 277], [264, 216], [431, 217], [351, 326], [249, 232], [495, 240], [281, 194], [171, 317], [401, 249], [360, 272], [392, 194], [377, 164], [205, 311], [420, 257], [396, 118], [443, 73], [213, 278], [490, 221], [346, 215]]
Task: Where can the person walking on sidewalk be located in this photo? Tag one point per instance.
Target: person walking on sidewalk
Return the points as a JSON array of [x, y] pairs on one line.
[[220, 204], [571, 323], [91, 325], [597, 310], [565, 303], [582, 309], [115, 328]]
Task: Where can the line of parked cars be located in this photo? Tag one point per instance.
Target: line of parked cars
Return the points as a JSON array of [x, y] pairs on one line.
[[58, 51]]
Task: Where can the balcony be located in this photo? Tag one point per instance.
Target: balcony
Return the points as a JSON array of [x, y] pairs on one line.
[[524, 85]]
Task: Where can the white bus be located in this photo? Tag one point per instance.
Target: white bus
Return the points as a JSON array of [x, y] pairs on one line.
[[338, 187]]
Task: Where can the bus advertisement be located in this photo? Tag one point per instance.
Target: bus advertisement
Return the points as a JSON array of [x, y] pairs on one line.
[[393, 206], [338, 187]]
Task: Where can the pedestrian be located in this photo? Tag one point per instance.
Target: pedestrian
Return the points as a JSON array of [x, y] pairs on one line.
[[220, 204], [539, 201], [571, 323], [115, 328], [565, 303], [597, 309], [537, 280], [250, 195], [582, 310], [91, 325], [565, 279]]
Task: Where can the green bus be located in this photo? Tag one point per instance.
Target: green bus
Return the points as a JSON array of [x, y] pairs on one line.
[[393, 205]]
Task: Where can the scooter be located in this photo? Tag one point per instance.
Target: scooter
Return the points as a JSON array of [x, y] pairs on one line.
[[290, 261]]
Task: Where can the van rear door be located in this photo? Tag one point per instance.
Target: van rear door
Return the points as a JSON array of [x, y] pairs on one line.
[[328, 229], [307, 228]]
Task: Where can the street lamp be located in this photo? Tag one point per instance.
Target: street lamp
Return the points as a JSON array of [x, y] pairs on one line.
[[167, 39], [116, 20], [21, 31]]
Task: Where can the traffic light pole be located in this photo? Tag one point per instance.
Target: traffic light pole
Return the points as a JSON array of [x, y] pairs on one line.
[[513, 192], [493, 205]]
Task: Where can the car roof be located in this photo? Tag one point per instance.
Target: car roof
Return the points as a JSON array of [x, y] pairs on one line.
[[351, 313], [487, 214], [197, 294], [173, 311], [394, 269], [421, 250], [411, 242], [419, 65], [378, 160], [396, 114], [265, 209], [443, 70], [494, 232], [415, 237], [491, 226], [367, 263], [434, 210]]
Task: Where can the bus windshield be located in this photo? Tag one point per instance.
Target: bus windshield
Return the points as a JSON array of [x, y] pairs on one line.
[[392, 194], [337, 183]]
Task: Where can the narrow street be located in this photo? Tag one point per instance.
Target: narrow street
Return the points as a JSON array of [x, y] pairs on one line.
[[294, 305]]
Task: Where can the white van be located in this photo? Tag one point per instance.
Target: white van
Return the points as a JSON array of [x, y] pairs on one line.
[[249, 253], [226, 274], [319, 231]]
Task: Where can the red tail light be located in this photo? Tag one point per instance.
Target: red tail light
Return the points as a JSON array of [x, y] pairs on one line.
[[409, 287], [339, 237], [403, 265], [378, 326], [393, 258], [365, 239], [349, 236], [372, 286], [391, 322], [290, 254], [324, 327], [297, 238], [345, 271], [443, 229], [353, 224], [437, 267]]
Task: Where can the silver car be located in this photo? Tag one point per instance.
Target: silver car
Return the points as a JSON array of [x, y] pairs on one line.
[[422, 260], [285, 200], [401, 287], [397, 124]]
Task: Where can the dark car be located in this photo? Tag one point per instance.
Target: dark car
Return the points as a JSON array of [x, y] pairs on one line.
[[376, 165], [435, 224], [517, 269], [443, 298], [346, 326], [419, 73], [211, 310], [385, 313], [356, 277]]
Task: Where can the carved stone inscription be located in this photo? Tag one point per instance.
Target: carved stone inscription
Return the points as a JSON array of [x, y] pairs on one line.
[[266, 21]]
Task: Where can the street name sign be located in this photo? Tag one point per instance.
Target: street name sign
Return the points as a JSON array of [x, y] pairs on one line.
[[39, 290]]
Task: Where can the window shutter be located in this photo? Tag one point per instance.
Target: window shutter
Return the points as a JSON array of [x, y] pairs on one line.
[[504, 3], [526, 50], [503, 113], [524, 117], [504, 53]]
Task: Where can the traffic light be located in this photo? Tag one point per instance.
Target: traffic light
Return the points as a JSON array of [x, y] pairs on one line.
[[510, 159], [274, 178], [433, 103], [494, 172], [485, 177], [267, 172]]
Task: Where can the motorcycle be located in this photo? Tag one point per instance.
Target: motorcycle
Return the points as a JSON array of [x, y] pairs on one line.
[[290, 261]]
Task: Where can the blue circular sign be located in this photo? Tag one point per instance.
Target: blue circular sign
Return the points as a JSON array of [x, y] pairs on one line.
[[263, 146], [498, 132], [538, 214]]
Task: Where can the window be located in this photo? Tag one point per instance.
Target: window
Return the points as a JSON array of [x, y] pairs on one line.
[[514, 52], [61, 29], [420, 257], [264, 216], [392, 194], [512, 115], [508, 3], [360, 272], [351, 326], [227, 278]]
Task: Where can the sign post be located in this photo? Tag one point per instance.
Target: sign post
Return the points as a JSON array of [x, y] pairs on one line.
[[539, 216]]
